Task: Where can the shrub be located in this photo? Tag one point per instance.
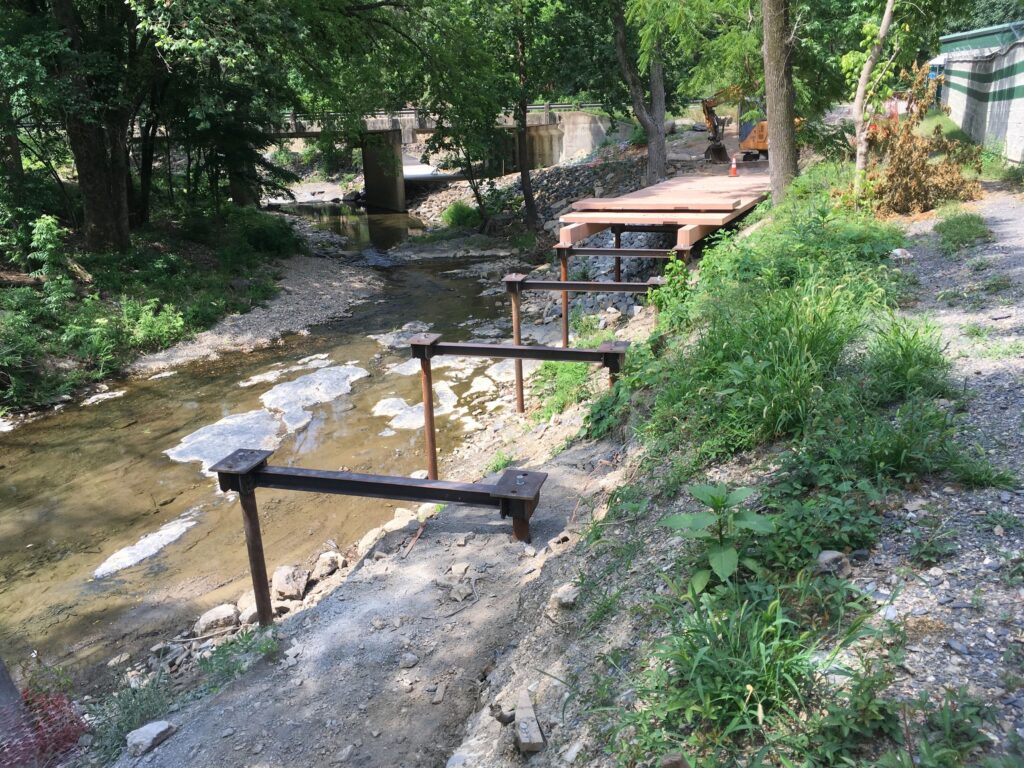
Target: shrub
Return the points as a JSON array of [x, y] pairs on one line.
[[116, 715], [911, 181], [461, 215], [637, 136]]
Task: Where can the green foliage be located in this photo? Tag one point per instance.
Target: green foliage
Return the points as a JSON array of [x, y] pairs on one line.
[[231, 659], [500, 461], [461, 215], [726, 673], [559, 386], [139, 301], [114, 716], [724, 529], [905, 358], [931, 542], [958, 230]]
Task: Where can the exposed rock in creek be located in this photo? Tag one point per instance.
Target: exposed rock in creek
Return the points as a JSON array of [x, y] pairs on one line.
[[210, 444], [102, 396], [405, 416], [400, 338], [292, 399], [147, 546], [274, 374]]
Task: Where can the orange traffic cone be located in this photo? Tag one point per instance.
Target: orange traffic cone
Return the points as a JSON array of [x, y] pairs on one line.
[[732, 168]]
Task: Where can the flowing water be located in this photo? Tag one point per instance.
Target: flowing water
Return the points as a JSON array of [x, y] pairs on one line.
[[88, 491]]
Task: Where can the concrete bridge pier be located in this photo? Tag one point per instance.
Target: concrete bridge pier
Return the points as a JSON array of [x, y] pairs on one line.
[[382, 170]]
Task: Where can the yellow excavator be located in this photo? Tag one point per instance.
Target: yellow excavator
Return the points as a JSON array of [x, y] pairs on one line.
[[753, 136]]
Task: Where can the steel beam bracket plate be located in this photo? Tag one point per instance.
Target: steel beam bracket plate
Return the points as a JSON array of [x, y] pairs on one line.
[[614, 354], [514, 282], [422, 345], [242, 462]]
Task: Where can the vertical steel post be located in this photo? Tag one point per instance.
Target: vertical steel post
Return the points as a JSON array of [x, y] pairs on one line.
[[421, 347], [429, 437], [238, 472], [517, 339], [254, 544], [618, 259], [564, 263]]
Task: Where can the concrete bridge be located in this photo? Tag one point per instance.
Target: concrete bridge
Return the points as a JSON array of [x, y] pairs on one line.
[[555, 133]]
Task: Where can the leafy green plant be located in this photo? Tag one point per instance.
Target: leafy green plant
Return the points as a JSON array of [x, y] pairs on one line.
[[723, 528], [905, 358], [460, 215], [500, 461], [232, 658], [931, 542], [724, 673]]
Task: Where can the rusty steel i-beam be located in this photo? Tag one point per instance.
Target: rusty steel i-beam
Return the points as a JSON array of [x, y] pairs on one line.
[[424, 346], [515, 495], [516, 283]]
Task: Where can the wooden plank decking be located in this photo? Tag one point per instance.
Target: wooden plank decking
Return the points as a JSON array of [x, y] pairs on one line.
[[695, 204]]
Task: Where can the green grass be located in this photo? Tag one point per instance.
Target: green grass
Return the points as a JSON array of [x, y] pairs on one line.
[[958, 230], [994, 166], [116, 715], [790, 338], [500, 461], [460, 215], [231, 659], [1002, 350]]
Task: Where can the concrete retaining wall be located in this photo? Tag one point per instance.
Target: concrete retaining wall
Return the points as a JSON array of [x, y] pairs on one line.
[[985, 95]]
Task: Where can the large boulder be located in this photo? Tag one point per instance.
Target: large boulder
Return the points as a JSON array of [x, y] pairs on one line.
[[247, 613], [143, 739], [289, 582], [221, 617], [326, 564]]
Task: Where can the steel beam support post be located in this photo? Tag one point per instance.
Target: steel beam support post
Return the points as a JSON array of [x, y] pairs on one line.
[[238, 472], [513, 284], [423, 349]]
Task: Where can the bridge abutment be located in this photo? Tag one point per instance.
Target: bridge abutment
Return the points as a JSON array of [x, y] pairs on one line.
[[382, 170]]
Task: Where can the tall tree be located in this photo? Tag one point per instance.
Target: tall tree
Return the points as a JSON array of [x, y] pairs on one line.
[[860, 100], [649, 112], [780, 95]]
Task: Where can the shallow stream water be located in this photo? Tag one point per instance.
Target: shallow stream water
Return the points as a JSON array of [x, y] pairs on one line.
[[87, 491]]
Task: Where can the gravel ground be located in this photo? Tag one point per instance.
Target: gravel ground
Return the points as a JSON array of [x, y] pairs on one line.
[[313, 290]]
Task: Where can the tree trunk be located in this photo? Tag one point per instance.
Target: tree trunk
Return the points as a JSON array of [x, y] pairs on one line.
[[147, 151], [100, 157], [779, 95], [860, 123], [10, 146], [99, 144], [652, 116], [522, 137]]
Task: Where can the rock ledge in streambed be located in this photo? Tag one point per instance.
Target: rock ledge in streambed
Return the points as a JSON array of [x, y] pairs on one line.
[[148, 545], [293, 398]]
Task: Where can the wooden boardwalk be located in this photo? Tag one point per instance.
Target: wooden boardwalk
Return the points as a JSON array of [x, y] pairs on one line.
[[691, 206]]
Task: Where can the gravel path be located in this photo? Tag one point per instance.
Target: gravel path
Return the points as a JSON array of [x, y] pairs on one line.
[[313, 290]]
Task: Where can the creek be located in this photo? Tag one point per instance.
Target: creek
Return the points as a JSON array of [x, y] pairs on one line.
[[107, 544]]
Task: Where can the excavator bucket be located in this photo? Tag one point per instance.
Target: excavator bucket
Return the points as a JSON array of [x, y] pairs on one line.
[[717, 153]]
